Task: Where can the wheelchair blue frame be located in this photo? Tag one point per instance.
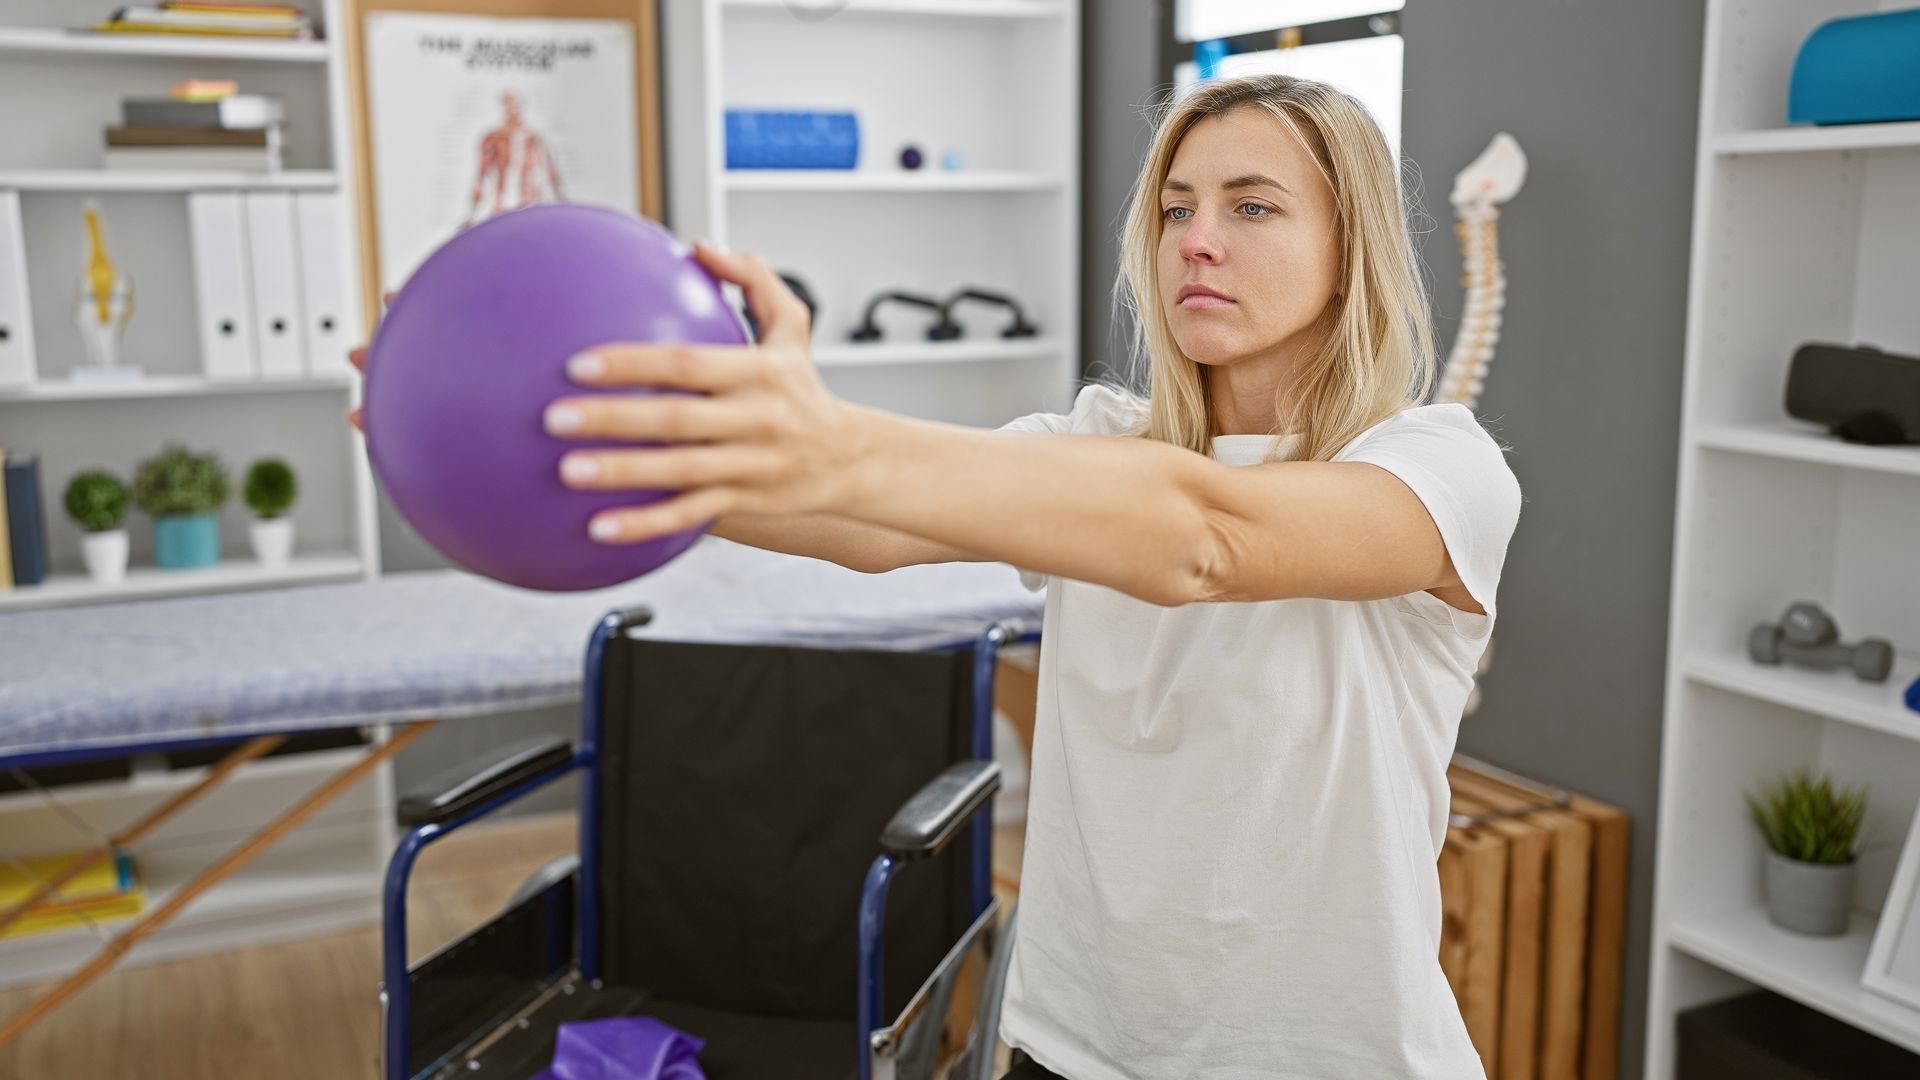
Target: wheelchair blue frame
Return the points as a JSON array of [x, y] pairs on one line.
[[873, 894]]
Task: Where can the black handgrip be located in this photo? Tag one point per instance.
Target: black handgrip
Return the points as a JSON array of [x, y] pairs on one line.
[[468, 785], [943, 329], [1020, 328], [924, 824]]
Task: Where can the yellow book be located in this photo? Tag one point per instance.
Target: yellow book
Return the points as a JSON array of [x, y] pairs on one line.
[[108, 889], [211, 31], [6, 538]]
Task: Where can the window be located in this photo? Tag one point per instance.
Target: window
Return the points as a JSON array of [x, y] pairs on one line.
[[1352, 44]]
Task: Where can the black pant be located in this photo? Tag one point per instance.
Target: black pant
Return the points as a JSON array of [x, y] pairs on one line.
[[1025, 1068]]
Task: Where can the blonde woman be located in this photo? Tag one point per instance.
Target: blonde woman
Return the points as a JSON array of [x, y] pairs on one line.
[[1268, 583]]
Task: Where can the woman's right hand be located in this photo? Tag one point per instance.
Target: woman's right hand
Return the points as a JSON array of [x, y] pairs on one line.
[[358, 358]]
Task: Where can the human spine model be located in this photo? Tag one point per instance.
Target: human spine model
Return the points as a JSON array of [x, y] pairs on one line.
[[1493, 178]]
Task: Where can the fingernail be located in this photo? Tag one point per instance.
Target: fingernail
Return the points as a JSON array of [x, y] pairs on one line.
[[604, 529], [576, 468], [563, 418], [585, 366]]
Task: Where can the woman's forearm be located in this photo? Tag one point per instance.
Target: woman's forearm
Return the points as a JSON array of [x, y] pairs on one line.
[[1124, 513], [856, 545]]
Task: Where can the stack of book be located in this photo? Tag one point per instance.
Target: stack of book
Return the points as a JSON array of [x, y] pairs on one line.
[[232, 18], [198, 131], [23, 529], [109, 889]]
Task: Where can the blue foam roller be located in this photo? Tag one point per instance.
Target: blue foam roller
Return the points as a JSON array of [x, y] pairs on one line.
[[1864, 69]]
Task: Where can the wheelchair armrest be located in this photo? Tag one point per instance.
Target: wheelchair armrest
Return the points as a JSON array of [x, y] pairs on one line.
[[924, 824], [471, 783]]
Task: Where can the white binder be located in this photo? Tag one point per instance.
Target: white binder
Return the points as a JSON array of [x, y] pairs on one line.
[[332, 316], [223, 280], [16, 317], [277, 322]]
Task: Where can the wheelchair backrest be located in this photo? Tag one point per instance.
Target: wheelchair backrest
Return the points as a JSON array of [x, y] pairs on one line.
[[743, 789]]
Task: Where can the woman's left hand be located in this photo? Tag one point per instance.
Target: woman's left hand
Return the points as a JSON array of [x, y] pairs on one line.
[[761, 435]]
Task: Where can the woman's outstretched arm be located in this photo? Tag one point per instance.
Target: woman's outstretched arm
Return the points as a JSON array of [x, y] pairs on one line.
[[762, 435], [856, 545]]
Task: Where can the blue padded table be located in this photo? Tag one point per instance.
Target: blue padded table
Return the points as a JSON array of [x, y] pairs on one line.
[[251, 668]]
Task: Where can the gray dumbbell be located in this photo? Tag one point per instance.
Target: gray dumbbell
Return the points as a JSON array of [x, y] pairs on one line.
[[1808, 636]]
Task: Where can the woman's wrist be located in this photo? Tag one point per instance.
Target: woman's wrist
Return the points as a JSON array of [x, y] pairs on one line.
[[862, 461]]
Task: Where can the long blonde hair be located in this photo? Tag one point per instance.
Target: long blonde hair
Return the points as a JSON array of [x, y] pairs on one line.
[[1376, 357]]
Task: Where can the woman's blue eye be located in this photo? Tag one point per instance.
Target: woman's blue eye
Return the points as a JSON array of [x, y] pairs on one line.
[[1265, 211]]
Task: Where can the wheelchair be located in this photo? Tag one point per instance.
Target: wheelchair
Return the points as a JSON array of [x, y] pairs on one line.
[[726, 880]]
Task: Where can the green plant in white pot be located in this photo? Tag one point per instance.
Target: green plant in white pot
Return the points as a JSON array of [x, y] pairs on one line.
[[270, 490], [1811, 832], [183, 492], [96, 500]]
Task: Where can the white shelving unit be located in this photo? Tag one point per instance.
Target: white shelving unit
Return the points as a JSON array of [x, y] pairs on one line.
[[61, 89], [1800, 234], [997, 80]]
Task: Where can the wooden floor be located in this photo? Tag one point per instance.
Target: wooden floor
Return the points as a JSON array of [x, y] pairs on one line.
[[305, 1010]]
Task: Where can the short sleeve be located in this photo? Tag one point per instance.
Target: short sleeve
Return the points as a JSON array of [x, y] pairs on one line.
[[1098, 409], [1461, 475]]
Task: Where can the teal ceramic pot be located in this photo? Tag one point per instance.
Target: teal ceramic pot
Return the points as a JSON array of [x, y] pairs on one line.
[[186, 541]]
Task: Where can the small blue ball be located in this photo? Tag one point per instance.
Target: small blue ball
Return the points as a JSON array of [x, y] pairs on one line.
[[953, 161]]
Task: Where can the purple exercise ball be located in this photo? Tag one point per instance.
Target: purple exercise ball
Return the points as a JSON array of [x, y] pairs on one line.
[[472, 351]]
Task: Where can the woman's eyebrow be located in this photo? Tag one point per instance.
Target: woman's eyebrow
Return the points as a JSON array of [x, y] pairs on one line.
[[1249, 180]]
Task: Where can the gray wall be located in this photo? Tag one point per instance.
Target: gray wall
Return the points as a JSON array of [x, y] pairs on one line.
[[1586, 385]]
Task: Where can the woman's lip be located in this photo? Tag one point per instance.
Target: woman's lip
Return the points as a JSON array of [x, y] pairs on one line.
[[1201, 300]]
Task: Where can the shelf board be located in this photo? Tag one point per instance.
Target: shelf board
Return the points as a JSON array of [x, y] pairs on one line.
[[1808, 443], [1823, 973], [883, 353], [1803, 140], [109, 180], [1834, 694], [880, 180], [145, 582], [158, 386], [817, 10], [51, 41]]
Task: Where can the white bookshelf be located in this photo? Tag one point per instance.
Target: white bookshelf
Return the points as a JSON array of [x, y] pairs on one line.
[[61, 88], [1800, 234], [997, 80]]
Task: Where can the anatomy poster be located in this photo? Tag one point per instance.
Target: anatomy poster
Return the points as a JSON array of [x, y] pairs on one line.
[[472, 116]]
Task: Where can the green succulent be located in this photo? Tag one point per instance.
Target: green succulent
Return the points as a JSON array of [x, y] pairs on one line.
[[96, 500], [270, 488], [1806, 820], [178, 481]]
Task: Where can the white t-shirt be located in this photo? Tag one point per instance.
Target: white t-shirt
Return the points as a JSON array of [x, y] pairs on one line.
[[1236, 809]]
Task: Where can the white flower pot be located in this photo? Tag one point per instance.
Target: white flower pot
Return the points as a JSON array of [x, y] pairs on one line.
[[105, 554], [273, 541]]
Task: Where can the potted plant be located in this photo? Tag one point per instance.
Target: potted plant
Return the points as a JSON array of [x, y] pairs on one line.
[[183, 492], [1810, 831], [270, 490], [96, 500]]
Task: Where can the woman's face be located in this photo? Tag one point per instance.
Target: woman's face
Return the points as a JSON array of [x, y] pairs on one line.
[[1245, 215]]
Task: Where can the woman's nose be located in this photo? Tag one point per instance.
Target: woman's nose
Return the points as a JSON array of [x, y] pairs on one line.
[[1198, 242]]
